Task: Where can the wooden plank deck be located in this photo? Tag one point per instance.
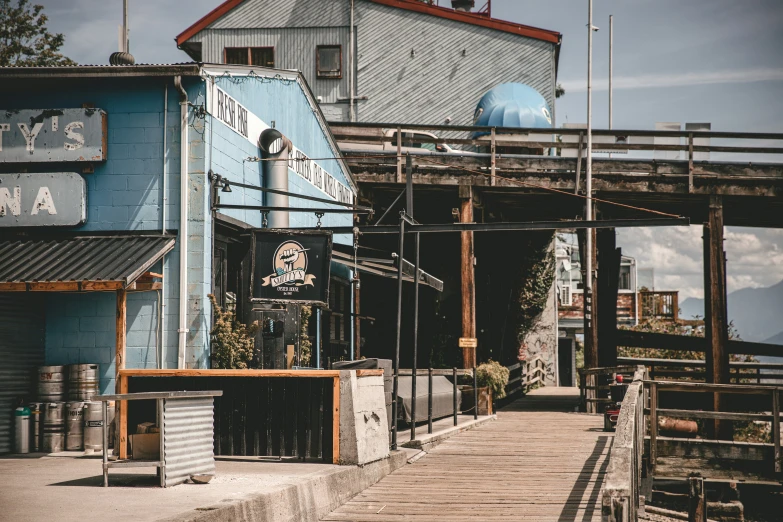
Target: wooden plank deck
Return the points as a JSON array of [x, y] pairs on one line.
[[539, 461]]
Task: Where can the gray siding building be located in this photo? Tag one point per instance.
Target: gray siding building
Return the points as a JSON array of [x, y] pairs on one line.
[[412, 62]]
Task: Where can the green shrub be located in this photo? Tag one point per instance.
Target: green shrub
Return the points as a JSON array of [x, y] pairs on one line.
[[233, 343], [495, 376]]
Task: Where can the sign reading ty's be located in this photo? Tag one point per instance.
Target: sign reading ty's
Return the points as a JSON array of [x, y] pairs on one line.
[[46, 135]]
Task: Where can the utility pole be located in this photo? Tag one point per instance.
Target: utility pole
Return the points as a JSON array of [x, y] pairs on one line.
[[611, 40], [591, 356]]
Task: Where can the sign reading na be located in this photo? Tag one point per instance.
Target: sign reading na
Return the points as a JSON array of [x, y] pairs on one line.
[[41, 135], [42, 199]]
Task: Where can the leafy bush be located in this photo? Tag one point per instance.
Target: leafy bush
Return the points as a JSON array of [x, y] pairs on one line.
[[233, 344], [495, 376]]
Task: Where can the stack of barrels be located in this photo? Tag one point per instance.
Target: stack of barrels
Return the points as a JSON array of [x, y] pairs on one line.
[[65, 418]]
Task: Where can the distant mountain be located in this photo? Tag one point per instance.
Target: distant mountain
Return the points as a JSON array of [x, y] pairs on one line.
[[775, 339], [757, 312]]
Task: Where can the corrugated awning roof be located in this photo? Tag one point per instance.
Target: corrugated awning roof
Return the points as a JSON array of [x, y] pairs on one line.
[[386, 268], [79, 262]]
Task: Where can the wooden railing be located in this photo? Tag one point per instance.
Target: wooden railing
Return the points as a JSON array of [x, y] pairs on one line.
[[728, 461], [533, 372], [622, 482], [659, 305], [740, 372]]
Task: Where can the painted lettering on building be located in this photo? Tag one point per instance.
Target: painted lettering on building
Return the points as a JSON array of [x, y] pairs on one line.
[[235, 116]]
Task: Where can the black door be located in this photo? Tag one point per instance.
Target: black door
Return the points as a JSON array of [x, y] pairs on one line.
[[565, 361]]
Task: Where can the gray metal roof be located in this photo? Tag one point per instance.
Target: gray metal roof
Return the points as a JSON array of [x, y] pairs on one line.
[[120, 258], [71, 71]]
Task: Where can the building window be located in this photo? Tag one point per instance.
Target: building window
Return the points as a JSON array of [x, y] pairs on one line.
[[262, 56], [625, 278], [329, 61]]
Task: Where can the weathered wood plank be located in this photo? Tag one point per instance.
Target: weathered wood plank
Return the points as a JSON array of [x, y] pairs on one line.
[[525, 466]]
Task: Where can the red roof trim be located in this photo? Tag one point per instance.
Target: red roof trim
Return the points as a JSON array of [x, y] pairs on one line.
[[410, 5], [475, 19], [206, 20]]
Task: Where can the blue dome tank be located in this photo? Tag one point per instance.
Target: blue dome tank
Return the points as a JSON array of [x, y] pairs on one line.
[[512, 105]]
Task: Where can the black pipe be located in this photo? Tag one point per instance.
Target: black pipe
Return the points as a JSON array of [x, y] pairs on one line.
[[429, 403], [511, 226], [399, 327], [415, 337], [264, 208], [475, 394], [454, 398]]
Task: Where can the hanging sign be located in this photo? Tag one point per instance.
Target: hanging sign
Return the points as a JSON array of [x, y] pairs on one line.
[[291, 266], [43, 135], [42, 199]]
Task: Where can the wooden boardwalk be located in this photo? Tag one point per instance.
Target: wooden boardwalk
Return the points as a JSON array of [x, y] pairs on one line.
[[539, 461]]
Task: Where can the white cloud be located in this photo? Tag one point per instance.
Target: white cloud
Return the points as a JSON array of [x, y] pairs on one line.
[[645, 81], [754, 257]]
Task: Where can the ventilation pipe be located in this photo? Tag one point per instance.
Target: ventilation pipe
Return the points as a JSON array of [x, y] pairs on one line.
[[275, 148], [183, 222]]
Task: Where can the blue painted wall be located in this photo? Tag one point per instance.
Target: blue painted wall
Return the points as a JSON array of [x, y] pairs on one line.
[[125, 193], [284, 102]]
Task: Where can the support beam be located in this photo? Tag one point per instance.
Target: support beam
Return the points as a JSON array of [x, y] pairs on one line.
[[357, 310], [715, 308], [468, 276], [119, 364], [608, 266], [697, 503], [590, 308]]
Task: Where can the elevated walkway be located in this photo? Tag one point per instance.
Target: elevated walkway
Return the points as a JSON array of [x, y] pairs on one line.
[[539, 461]]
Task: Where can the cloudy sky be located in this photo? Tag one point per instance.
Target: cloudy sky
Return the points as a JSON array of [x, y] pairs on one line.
[[716, 61]]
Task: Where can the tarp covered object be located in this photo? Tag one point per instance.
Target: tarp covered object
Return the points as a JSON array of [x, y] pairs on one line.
[[442, 397]]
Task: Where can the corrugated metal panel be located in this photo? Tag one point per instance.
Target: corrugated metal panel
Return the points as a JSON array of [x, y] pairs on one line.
[[22, 349], [286, 13], [188, 438], [95, 258], [294, 49], [439, 82]]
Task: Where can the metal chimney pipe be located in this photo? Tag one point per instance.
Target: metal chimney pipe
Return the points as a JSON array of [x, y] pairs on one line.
[[275, 148]]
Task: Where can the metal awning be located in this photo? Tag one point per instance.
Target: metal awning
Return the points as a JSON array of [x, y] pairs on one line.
[[386, 268], [75, 263]]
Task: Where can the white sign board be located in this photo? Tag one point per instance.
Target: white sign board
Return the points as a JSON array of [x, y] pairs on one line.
[[42, 199]]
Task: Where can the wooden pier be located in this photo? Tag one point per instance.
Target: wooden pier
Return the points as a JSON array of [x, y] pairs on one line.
[[539, 461]]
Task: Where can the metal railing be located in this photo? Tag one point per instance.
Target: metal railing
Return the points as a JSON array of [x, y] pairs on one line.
[[622, 482], [454, 373], [594, 385], [739, 372]]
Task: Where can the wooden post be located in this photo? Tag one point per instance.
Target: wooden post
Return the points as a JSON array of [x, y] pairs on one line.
[[468, 276], [336, 421], [776, 428], [609, 258], [492, 180], [399, 155], [715, 312], [119, 364], [653, 425], [697, 503], [591, 313]]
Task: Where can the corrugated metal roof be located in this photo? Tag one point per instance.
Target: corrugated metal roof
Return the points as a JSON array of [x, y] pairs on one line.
[[120, 258], [151, 69]]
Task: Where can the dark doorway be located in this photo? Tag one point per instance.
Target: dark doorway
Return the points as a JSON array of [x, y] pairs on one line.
[[565, 361]]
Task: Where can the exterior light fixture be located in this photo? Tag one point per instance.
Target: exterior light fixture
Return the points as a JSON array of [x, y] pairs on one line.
[[226, 186]]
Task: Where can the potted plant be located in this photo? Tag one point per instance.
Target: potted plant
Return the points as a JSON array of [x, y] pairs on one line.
[[492, 379], [232, 342]]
